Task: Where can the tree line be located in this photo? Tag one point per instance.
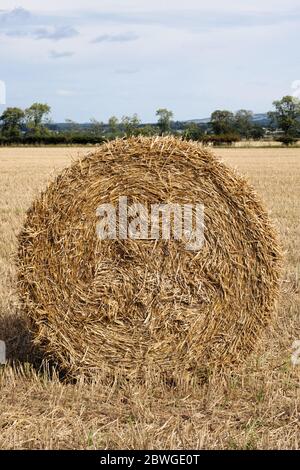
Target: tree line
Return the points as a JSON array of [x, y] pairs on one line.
[[34, 126]]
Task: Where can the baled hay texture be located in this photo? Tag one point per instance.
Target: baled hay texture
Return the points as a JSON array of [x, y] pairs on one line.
[[135, 304]]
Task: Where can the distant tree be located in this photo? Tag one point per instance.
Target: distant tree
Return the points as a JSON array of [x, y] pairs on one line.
[[287, 139], [130, 125], [243, 122], [287, 118], [113, 124], [37, 115], [96, 127], [148, 130], [193, 131], [164, 120], [257, 132], [221, 139], [12, 120], [222, 121]]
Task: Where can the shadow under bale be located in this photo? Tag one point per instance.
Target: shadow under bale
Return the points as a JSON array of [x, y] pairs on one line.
[[18, 340], [21, 350]]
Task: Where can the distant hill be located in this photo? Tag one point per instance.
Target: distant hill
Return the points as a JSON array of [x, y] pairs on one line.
[[258, 118], [262, 119]]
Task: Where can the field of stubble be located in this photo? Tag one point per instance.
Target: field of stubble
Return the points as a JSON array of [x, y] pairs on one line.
[[255, 406]]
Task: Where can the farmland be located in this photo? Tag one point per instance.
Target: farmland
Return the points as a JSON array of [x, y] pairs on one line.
[[254, 406]]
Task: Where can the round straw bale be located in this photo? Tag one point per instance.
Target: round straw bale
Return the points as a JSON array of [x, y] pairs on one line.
[[130, 304]]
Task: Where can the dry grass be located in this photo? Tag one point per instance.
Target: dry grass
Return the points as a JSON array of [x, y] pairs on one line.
[[256, 406]]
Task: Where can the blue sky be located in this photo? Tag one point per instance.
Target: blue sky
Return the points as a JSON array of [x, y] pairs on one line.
[[96, 58]]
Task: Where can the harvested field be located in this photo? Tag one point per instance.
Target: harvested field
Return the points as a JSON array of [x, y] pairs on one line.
[[256, 406]]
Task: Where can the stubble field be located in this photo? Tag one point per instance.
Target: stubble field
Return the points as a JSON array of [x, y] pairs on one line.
[[254, 406]]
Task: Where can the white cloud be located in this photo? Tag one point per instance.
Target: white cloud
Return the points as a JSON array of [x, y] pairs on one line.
[[120, 37], [57, 33], [15, 16]]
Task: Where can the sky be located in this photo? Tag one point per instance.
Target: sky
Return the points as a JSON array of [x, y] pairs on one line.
[[98, 58]]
